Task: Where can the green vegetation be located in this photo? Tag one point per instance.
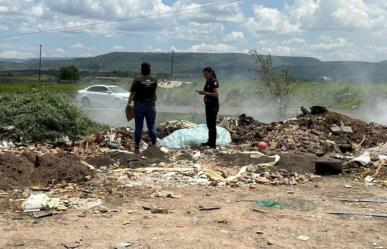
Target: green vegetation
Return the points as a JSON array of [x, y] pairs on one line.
[[70, 73], [39, 115], [278, 85]]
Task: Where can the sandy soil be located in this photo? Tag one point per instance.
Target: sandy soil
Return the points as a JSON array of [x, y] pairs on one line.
[[235, 225]]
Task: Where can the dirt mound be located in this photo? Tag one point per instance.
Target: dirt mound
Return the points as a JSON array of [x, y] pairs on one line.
[[30, 169], [116, 158], [310, 133]]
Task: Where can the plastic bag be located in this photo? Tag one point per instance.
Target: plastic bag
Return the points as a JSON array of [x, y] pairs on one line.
[[182, 138]]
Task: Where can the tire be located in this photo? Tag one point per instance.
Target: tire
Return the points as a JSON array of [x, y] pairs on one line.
[[85, 102], [329, 167]]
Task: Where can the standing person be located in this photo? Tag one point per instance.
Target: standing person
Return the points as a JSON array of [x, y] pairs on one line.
[[143, 93], [211, 101]]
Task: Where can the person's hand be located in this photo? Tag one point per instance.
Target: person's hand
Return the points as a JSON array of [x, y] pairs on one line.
[[202, 92]]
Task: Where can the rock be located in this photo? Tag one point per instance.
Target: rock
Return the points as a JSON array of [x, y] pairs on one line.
[[335, 129], [303, 237], [156, 210], [346, 129], [41, 214], [270, 242], [19, 243], [101, 209]]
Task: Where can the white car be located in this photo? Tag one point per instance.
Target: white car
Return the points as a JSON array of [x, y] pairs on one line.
[[103, 95]]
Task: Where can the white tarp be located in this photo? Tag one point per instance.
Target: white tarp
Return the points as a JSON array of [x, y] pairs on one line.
[[182, 138]]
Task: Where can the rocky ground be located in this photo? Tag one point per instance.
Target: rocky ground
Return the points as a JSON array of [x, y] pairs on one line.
[[95, 193]]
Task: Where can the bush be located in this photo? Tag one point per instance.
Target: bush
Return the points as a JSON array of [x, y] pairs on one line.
[[70, 73], [43, 115]]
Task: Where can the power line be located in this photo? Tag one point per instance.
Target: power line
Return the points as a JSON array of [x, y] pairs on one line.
[[121, 19]]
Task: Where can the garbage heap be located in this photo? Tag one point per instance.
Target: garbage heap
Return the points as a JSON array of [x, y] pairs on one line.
[[165, 129], [323, 133]]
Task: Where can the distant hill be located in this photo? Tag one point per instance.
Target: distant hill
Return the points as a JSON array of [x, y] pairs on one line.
[[227, 65]]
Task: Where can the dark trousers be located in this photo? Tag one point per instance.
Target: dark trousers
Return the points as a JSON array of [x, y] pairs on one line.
[[211, 114], [148, 111]]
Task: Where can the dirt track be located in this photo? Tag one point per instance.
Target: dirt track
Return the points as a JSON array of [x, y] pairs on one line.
[[235, 225]]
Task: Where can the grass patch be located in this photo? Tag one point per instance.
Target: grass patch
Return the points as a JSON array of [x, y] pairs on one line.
[[40, 115]]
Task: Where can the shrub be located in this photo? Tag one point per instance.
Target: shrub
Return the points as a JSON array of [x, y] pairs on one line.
[[43, 115]]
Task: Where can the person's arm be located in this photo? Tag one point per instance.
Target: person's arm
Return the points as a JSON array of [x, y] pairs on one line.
[[214, 94], [131, 97], [132, 92]]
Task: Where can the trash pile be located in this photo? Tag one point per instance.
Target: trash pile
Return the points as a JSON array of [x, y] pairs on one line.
[[165, 129], [324, 133], [200, 170]]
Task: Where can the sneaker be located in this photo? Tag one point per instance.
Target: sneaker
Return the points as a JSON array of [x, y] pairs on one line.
[[205, 144]]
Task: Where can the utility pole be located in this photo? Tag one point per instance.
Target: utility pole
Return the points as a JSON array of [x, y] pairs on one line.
[[40, 60], [173, 53]]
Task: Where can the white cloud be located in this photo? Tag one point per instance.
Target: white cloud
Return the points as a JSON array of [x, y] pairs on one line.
[[213, 48], [78, 46], [15, 54], [270, 20], [29, 16], [3, 9], [234, 37], [118, 48], [327, 43], [58, 52]]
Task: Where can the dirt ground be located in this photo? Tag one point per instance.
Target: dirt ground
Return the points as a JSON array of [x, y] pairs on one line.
[[234, 225], [27, 169]]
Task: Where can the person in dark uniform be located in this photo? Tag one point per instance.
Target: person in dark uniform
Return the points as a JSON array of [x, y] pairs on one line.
[[211, 101], [143, 93]]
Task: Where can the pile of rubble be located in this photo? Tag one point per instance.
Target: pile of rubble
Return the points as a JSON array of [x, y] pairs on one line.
[[322, 133]]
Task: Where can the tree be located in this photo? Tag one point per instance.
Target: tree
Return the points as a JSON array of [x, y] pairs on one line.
[[278, 85], [69, 73]]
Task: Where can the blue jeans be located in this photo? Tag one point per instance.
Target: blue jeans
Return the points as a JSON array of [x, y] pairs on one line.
[[148, 111]]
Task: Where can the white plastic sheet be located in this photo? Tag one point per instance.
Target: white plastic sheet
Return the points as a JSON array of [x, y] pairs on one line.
[[182, 138]]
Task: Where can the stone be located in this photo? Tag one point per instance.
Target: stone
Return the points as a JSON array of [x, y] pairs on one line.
[[346, 129], [335, 129]]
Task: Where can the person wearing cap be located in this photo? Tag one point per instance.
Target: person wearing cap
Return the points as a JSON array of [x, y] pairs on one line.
[[143, 94], [211, 101]]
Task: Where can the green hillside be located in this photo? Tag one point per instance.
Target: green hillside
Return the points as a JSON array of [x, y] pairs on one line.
[[231, 66]]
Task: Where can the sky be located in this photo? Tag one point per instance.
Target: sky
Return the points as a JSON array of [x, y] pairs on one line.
[[352, 30]]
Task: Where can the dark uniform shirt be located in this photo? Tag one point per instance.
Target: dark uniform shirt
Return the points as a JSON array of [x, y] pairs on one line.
[[145, 88], [210, 87]]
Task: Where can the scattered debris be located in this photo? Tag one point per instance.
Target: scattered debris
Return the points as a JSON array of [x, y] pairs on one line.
[[351, 213], [156, 209], [72, 245], [41, 214], [363, 200], [166, 195], [303, 237], [124, 245], [208, 207]]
